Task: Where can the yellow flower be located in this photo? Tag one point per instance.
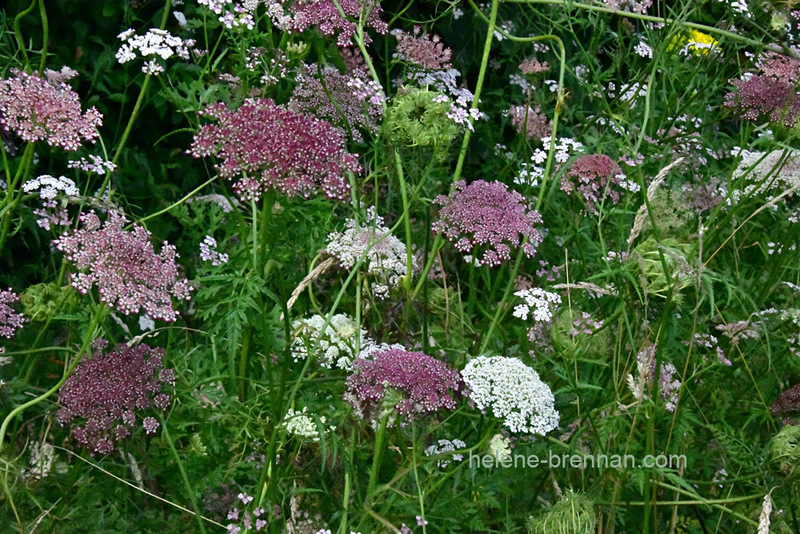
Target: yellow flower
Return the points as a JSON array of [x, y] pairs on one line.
[[698, 42]]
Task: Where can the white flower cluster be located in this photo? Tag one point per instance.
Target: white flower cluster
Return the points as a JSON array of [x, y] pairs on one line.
[[460, 97], [97, 165], [42, 462], [767, 171], [50, 187], [300, 424], [513, 391], [385, 254], [335, 345], [500, 447], [51, 213], [530, 173], [443, 446], [154, 43], [538, 303], [233, 14], [643, 49], [208, 252]]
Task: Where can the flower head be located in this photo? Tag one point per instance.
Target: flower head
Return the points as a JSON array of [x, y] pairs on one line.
[[101, 397], [594, 177], [275, 147], [335, 345], [409, 383], [513, 391], [773, 93], [324, 14], [384, 254], [37, 109], [487, 216], [529, 121], [426, 51], [123, 264], [10, 321]]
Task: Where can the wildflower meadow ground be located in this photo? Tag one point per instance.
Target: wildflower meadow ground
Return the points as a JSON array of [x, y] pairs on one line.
[[364, 266]]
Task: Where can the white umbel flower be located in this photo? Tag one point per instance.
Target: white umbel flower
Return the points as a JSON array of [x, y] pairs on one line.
[[538, 303], [335, 345], [302, 425], [513, 391]]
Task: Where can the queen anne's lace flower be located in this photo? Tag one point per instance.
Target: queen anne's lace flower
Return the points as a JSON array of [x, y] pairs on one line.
[[426, 51], [487, 216], [37, 109], [324, 14], [104, 393], [335, 346], [124, 266], [208, 252], [275, 147], [10, 321], [538, 303], [444, 446], [396, 380], [302, 425], [51, 213], [513, 391], [154, 43], [385, 255]]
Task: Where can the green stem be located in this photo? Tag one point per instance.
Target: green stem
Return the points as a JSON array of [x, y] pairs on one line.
[[500, 309], [407, 218], [650, 18], [487, 47], [197, 512], [45, 36], [18, 34], [376, 458]]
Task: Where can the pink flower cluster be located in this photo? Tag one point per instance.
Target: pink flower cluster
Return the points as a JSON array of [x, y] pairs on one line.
[[276, 147], [106, 391], [129, 274], [529, 122], [10, 321], [334, 97], [419, 384], [593, 175], [326, 17], [487, 214], [40, 110], [774, 93], [426, 51]]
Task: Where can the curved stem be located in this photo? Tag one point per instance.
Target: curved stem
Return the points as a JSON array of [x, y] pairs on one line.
[[45, 36], [18, 33], [407, 219], [487, 47]]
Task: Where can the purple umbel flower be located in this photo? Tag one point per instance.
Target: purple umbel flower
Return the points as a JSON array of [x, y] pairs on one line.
[[324, 14], [408, 382], [529, 122], [486, 215], [592, 177], [426, 51], [334, 97], [124, 265], [774, 93], [275, 147], [10, 321], [105, 392], [40, 110]]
